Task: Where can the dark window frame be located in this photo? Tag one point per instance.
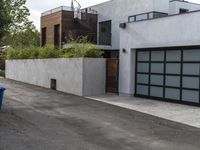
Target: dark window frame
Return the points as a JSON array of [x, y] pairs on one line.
[[109, 34], [183, 10], [57, 38], [148, 16], [44, 36]]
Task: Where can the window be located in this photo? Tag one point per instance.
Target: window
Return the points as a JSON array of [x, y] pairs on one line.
[[146, 16], [105, 33], [131, 19], [159, 15], [103, 29], [141, 17], [57, 35], [181, 11], [43, 42]]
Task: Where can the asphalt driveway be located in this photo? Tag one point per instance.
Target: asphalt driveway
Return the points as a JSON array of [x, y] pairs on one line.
[[35, 118]]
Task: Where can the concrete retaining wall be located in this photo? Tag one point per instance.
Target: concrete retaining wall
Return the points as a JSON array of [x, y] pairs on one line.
[[79, 76]]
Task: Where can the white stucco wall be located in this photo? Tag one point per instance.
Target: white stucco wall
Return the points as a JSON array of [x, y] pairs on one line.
[[176, 5], [119, 10], [161, 6], [178, 30], [76, 76]]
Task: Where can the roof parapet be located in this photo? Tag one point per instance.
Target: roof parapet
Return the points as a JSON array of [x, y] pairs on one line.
[[66, 8]]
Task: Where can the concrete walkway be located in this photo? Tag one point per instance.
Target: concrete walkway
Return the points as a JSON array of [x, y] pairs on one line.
[[189, 115]]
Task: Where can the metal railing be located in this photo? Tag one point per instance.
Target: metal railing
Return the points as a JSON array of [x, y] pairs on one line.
[[66, 8]]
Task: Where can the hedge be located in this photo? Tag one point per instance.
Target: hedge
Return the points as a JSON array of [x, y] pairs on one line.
[[76, 50]]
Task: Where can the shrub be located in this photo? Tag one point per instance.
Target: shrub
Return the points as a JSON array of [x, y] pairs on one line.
[[81, 47], [48, 52], [78, 48], [32, 53], [18, 53]]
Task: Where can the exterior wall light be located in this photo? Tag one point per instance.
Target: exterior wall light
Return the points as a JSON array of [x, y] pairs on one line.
[[122, 25], [124, 50]]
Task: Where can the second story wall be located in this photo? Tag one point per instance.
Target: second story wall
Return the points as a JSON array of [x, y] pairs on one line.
[[175, 6], [176, 30], [47, 27], [118, 11], [57, 26]]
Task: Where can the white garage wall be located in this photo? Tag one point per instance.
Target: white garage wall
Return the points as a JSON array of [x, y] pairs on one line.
[[79, 76], [178, 30]]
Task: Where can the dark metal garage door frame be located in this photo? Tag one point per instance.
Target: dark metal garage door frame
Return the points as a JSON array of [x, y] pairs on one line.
[[165, 49]]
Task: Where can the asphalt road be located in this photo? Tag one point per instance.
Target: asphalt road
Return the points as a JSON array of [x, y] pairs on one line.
[[35, 118]]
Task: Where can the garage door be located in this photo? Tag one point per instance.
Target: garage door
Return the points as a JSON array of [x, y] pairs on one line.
[[168, 74]]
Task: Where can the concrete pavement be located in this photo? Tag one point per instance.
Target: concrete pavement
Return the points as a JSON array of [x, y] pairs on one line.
[[189, 115], [35, 118]]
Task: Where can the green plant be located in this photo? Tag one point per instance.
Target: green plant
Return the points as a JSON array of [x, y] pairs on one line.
[[81, 47], [48, 52], [32, 53], [78, 48]]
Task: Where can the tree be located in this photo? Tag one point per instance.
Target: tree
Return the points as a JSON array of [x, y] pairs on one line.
[[15, 25], [25, 38], [5, 19], [19, 14]]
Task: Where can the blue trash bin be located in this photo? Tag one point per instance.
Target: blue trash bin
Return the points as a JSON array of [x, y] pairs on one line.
[[2, 89]]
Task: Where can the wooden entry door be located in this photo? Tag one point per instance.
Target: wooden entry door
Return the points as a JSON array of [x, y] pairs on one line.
[[112, 70]]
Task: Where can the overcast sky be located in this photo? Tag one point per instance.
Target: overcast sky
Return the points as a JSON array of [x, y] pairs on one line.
[[36, 7]]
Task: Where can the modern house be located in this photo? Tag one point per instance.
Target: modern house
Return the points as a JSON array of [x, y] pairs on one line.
[[157, 43]]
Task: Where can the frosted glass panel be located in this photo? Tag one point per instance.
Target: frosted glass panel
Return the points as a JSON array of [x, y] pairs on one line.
[[191, 69], [172, 93], [143, 56], [157, 79], [173, 55], [157, 55], [141, 17], [142, 89], [190, 96], [142, 78], [191, 82], [191, 55], [157, 67], [156, 91], [173, 68], [172, 81], [143, 67]]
